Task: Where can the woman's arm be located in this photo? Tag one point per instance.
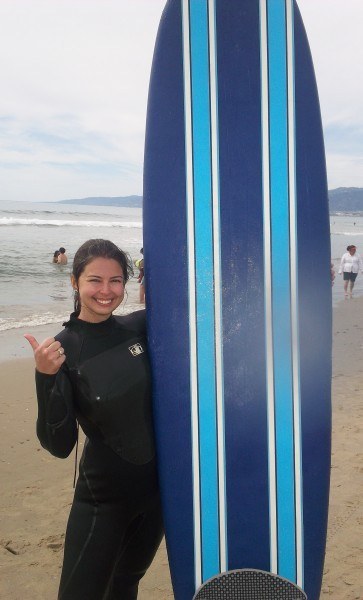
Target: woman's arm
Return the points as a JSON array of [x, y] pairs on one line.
[[56, 422], [342, 264]]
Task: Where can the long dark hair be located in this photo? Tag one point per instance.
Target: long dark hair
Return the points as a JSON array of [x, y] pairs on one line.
[[98, 248]]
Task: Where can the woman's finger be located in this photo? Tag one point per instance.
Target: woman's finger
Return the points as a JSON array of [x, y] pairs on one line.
[[32, 341], [49, 355], [60, 353]]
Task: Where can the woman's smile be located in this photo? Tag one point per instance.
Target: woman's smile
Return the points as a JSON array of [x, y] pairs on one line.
[[101, 289]]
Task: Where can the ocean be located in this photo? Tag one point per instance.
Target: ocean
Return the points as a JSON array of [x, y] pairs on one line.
[[36, 292]]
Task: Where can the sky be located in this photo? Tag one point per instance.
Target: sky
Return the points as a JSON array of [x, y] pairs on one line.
[[74, 79]]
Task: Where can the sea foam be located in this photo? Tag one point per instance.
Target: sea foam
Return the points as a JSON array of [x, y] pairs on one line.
[[11, 221]]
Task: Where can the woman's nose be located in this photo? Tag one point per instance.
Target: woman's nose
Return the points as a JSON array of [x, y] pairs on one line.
[[105, 287]]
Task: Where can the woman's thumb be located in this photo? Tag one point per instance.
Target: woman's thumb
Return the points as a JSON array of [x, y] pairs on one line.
[[32, 341]]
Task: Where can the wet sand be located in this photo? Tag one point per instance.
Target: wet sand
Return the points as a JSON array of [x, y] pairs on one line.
[[36, 488]]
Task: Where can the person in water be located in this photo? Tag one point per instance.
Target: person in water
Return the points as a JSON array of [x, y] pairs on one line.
[[62, 257], [96, 373], [350, 265], [55, 256]]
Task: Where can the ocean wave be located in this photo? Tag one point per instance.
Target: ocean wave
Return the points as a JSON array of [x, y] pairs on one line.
[[32, 321], [60, 211], [350, 233], [10, 221], [48, 318]]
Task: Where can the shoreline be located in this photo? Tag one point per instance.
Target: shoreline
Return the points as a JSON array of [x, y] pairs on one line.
[[35, 501], [13, 345]]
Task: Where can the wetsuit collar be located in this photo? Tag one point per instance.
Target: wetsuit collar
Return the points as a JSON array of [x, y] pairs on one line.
[[95, 328]]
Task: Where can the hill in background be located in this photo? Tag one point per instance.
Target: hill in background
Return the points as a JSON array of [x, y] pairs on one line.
[[127, 201], [346, 200]]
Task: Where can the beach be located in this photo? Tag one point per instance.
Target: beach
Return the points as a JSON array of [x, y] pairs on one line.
[[37, 488]]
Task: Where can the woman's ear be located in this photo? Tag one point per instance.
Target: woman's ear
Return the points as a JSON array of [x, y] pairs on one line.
[[74, 282]]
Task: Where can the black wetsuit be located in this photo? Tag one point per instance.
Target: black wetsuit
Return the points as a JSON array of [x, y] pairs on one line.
[[115, 524]]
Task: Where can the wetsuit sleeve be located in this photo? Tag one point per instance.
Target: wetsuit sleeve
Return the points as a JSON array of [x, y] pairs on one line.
[[56, 423]]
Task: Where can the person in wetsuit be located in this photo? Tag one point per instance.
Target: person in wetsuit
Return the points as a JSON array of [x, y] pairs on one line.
[[96, 373]]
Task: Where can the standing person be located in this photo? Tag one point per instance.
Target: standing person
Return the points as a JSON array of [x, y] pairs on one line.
[[141, 278], [62, 258], [96, 373], [350, 265]]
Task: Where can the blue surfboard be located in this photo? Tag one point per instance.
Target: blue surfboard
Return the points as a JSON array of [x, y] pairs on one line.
[[237, 255]]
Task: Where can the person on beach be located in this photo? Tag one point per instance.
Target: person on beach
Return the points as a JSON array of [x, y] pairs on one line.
[[55, 257], [62, 257], [141, 277], [350, 265], [96, 373]]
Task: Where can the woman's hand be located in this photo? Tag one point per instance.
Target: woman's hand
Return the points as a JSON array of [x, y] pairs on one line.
[[49, 355]]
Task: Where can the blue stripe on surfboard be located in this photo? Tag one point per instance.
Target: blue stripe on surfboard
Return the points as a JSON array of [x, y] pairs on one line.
[[281, 299], [202, 245]]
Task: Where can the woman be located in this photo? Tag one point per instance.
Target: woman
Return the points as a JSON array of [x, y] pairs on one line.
[[96, 372], [350, 264]]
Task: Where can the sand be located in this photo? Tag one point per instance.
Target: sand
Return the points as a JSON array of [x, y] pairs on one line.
[[36, 489]]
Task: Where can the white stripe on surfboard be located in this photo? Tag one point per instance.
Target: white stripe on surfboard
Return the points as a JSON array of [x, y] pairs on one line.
[[268, 286], [217, 286], [294, 293], [192, 293]]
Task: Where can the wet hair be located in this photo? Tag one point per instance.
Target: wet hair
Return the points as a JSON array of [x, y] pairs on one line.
[[62, 250], [98, 248], [56, 253]]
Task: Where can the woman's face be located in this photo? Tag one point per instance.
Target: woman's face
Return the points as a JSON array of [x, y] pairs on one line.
[[101, 289], [352, 250]]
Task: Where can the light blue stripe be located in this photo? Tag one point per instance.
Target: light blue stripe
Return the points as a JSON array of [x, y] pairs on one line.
[[204, 287], [282, 335]]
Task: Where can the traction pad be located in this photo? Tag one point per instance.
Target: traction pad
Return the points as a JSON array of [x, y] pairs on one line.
[[249, 584]]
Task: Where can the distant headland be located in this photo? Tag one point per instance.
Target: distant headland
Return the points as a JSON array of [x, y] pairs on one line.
[[343, 199], [346, 200], [126, 201]]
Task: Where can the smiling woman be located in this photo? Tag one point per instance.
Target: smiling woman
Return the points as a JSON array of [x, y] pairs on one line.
[[99, 280], [96, 373]]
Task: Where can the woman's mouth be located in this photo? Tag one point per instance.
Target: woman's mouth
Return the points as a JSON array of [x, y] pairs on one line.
[[103, 302]]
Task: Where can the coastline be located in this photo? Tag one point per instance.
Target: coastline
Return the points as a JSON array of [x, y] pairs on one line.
[[13, 345], [36, 497]]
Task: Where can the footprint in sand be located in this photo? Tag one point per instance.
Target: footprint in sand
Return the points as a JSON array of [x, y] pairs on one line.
[[53, 542]]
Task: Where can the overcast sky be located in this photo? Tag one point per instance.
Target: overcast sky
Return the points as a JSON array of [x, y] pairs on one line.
[[74, 77]]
